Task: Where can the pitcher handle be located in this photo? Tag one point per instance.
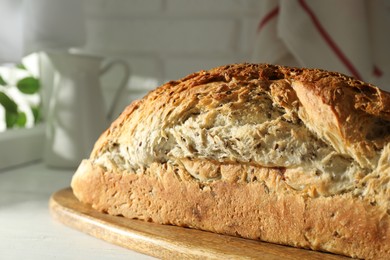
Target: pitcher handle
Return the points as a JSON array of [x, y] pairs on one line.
[[122, 85]]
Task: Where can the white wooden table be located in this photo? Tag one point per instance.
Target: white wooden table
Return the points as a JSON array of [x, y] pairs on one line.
[[27, 230]]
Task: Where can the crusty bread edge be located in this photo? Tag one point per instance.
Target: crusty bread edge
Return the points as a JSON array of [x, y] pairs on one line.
[[341, 224]]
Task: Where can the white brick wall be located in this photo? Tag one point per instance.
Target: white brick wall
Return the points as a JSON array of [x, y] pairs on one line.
[[167, 39], [164, 36]]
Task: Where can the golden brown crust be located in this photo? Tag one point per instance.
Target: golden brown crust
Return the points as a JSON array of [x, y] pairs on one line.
[[358, 112], [341, 224], [287, 155]]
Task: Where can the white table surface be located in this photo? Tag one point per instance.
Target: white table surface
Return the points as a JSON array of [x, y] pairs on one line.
[[27, 231]]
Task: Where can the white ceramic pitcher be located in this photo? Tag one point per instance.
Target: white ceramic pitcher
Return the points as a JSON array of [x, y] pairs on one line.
[[77, 114]]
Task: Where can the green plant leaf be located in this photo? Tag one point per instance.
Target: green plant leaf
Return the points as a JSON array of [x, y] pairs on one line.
[[21, 119], [37, 114], [10, 118], [2, 81], [21, 66], [9, 105], [28, 85]]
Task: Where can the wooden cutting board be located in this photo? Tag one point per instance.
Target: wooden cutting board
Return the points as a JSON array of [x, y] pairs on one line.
[[164, 241]]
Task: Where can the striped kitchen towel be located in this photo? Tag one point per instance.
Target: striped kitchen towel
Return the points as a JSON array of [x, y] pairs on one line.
[[349, 36]]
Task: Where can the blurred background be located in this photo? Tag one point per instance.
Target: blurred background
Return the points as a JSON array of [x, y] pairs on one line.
[[69, 67], [162, 40]]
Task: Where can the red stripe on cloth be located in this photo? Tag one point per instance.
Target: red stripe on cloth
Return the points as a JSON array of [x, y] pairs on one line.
[[328, 39], [377, 71], [268, 17]]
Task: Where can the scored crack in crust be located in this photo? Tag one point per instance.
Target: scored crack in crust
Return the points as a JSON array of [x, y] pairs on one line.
[[306, 137], [285, 119]]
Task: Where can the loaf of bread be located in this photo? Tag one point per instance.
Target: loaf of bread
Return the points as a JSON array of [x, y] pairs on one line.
[[293, 156]]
